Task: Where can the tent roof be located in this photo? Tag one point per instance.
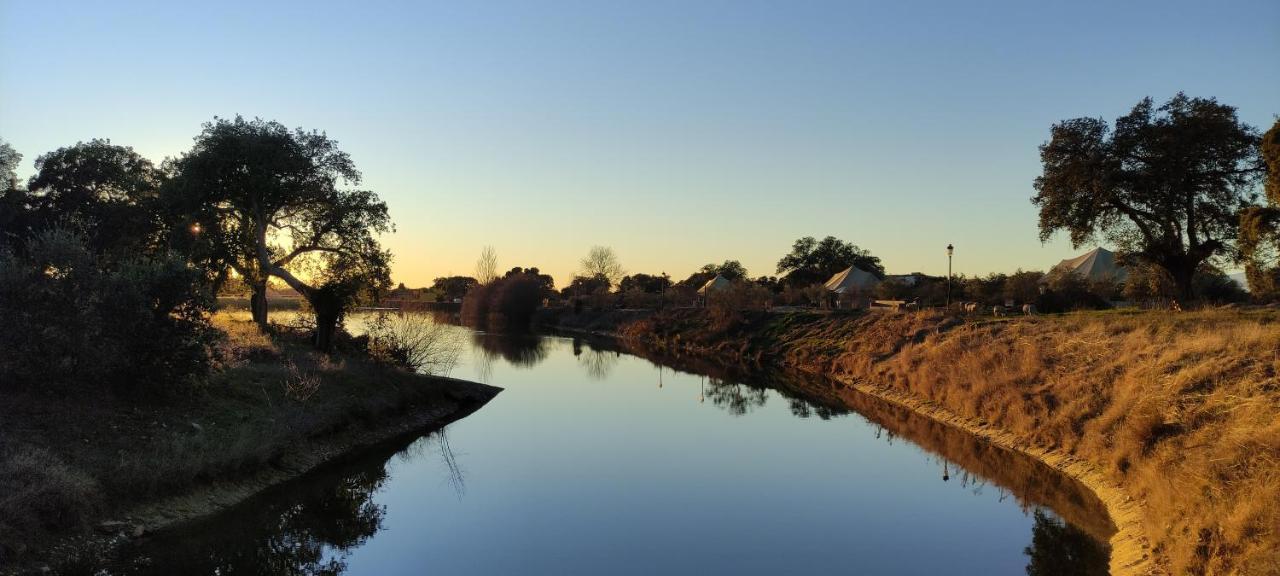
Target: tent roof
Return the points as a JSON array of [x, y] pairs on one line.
[[717, 283], [851, 279], [1096, 264]]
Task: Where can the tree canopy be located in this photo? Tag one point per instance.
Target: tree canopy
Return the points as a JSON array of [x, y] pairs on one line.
[[13, 201], [601, 262], [1259, 241], [487, 265], [730, 269], [9, 160], [812, 261], [647, 283], [270, 202], [1165, 185], [451, 287], [105, 192], [545, 283]]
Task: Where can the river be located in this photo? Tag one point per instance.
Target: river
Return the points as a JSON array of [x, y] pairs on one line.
[[594, 460]]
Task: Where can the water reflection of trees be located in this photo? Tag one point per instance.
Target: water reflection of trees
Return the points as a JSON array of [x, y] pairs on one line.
[[305, 527], [598, 363], [310, 531], [519, 350], [1060, 549], [735, 397], [964, 458]]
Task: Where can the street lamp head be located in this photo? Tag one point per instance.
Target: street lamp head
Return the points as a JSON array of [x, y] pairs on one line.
[[950, 249], [195, 228]]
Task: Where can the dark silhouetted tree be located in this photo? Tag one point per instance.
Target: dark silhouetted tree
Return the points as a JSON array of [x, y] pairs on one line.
[[9, 161], [451, 287], [1260, 227], [601, 262], [647, 283], [730, 269], [269, 199], [582, 286], [1165, 186], [14, 201], [545, 283], [812, 261], [487, 265], [104, 192]]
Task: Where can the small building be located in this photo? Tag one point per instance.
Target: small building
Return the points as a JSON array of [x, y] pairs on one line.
[[851, 287], [715, 285], [1097, 265]]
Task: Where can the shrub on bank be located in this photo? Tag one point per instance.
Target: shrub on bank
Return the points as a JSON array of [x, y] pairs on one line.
[[414, 341], [137, 325], [41, 494], [504, 303]]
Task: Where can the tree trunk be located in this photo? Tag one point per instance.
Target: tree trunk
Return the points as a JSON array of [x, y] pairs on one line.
[[1182, 274], [328, 307], [326, 325], [258, 304]]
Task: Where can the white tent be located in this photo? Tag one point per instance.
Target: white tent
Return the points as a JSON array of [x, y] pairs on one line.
[[852, 280], [715, 284], [1095, 265]]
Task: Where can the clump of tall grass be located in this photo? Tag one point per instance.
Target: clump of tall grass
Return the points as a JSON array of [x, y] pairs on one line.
[[40, 493], [414, 341]]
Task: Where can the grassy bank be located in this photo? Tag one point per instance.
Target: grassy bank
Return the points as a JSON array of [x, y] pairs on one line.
[[78, 466], [1180, 412]]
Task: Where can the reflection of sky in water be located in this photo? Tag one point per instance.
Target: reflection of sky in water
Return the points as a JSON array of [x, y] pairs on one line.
[[585, 465], [596, 462]]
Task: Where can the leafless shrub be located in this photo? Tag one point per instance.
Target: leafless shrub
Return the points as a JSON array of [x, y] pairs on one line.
[[414, 341], [300, 385]]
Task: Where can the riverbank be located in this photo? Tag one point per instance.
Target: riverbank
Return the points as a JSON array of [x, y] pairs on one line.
[[1172, 420], [79, 475]]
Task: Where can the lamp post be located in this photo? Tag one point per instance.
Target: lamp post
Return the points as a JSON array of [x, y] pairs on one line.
[[950, 250], [662, 291]]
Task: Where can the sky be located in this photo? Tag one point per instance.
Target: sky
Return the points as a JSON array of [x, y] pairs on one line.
[[676, 132]]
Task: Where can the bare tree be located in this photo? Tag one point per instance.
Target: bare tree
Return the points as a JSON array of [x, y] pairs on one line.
[[602, 262], [487, 265]]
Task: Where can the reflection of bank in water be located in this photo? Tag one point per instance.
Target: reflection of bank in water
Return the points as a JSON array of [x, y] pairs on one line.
[[307, 526], [969, 459]]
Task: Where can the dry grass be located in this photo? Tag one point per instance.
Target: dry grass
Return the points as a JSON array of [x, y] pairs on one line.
[[1181, 410], [68, 462]]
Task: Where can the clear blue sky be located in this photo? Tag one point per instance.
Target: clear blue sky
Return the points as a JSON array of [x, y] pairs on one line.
[[678, 133]]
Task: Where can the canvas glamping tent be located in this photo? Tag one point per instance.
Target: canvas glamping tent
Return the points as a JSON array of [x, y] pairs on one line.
[[1095, 265], [851, 286], [714, 284]]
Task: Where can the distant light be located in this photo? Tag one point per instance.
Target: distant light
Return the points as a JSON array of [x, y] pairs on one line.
[[195, 228]]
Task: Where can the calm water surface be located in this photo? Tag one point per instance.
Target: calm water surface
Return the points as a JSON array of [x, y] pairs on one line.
[[595, 461]]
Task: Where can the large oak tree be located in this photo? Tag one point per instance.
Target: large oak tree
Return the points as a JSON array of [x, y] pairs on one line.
[[1260, 227], [1165, 185], [273, 202], [812, 261], [105, 192]]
